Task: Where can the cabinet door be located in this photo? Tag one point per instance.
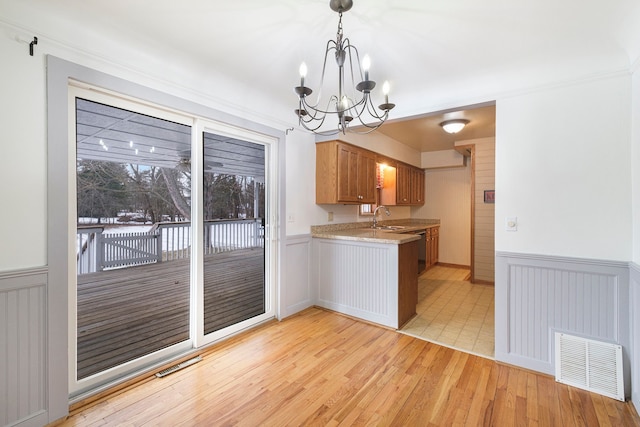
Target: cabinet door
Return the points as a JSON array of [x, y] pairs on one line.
[[347, 172], [367, 178], [417, 186], [403, 185], [429, 256], [435, 242]]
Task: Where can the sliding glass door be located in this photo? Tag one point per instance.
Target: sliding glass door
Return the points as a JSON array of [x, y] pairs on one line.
[[235, 226], [171, 231]]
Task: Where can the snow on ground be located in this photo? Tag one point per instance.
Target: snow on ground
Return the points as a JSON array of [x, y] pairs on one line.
[[114, 229]]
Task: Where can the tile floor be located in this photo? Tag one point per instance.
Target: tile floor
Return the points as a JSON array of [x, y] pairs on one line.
[[453, 312]]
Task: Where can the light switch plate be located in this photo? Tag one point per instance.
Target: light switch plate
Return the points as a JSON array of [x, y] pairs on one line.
[[511, 223]]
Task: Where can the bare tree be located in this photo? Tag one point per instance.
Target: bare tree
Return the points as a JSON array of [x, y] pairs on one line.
[[172, 180]]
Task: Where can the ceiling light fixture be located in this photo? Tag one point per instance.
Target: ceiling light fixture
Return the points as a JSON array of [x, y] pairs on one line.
[[346, 107], [454, 126]]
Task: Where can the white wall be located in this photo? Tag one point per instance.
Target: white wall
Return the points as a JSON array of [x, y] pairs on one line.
[[563, 169], [301, 189], [635, 270], [635, 159], [448, 198], [23, 152]]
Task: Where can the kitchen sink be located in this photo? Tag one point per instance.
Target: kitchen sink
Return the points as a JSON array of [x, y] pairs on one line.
[[389, 227]]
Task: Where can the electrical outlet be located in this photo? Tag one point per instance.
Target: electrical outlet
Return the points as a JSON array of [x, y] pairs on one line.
[[290, 218], [330, 217]]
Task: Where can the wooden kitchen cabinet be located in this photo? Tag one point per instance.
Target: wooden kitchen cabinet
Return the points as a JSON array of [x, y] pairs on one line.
[[407, 282], [417, 186], [433, 243], [409, 185], [403, 185], [344, 174]]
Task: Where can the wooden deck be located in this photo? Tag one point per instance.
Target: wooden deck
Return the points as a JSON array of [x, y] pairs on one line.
[[126, 313]]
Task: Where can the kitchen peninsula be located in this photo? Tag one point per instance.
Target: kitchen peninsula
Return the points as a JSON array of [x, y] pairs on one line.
[[371, 274]]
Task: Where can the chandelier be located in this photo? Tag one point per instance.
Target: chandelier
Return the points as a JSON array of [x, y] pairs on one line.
[[345, 107]]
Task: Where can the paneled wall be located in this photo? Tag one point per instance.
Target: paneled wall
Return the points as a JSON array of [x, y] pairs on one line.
[[296, 292], [539, 295], [484, 230], [357, 278], [634, 283], [23, 302]]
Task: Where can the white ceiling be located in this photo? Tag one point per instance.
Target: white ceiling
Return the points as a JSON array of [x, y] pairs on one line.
[[437, 54]]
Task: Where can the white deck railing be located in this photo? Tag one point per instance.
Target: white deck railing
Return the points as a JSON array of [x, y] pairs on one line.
[[97, 251]]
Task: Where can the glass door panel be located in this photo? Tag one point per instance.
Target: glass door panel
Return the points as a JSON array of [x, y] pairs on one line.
[[133, 235], [234, 221]]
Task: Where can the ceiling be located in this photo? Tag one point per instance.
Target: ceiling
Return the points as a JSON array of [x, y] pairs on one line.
[[107, 133], [440, 56], [424, 132]]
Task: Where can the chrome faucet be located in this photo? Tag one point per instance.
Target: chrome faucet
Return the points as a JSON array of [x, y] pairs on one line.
[[375, 213]]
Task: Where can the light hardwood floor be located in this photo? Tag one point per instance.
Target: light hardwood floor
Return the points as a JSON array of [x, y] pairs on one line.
[[454, 312], [321, 368]]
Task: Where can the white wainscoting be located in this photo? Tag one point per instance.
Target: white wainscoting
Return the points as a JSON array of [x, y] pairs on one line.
[[357, 278], [634, 282], [23, 339], [296, 292], [539, 295]]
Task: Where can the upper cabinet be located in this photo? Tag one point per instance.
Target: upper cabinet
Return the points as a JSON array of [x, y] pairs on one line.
[[403, 185], [344, 174], [417, 186]]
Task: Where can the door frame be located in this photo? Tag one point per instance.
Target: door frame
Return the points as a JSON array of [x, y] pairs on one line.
[[60, 227], [197, 267]]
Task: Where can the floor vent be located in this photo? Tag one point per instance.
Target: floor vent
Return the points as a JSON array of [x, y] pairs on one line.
[[591, 365], [177, 367]]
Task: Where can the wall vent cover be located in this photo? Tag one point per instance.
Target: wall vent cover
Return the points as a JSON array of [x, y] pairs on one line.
[[591, 365]]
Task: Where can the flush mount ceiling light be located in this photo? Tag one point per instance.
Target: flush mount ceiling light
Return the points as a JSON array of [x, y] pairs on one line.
[[454, 126], [347, 104]]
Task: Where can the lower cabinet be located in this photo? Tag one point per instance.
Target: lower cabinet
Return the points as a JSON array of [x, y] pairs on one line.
[[433, 242], [407, 282]]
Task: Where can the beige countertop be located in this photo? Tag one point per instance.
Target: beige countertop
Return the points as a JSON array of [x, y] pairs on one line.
[[362, 232]]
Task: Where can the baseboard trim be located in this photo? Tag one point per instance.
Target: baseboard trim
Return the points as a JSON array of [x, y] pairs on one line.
[[446, 264], [483, 282]]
